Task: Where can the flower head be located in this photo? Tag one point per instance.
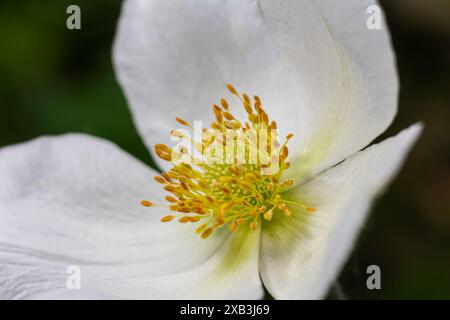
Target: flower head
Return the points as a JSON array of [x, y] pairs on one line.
[[325, 78]]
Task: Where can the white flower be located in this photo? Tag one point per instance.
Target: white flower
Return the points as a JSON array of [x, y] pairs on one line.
[[72, 200]]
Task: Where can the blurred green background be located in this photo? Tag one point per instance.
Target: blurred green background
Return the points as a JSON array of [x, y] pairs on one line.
[[54, 80]]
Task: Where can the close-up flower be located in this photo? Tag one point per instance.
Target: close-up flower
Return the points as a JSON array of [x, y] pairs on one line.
[[311, 73]]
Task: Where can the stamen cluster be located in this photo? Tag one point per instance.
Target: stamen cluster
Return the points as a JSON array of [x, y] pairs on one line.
[[244, 188]]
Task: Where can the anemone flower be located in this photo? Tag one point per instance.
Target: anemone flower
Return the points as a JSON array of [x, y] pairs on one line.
[[313, 66]]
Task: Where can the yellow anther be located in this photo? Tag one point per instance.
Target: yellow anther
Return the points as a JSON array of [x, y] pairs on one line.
[[219, 221], [173, 175], [284, 153], [181, 121], [226, 190], [235, 170], [159, 179], [227, 179], [167, 177], [246, 99], [236, 124], [254, 212], [203, 183], [218, 113], [184, 219], [228, 125], [206, 233], [184, 185], [164, 155], [239, 220], [163, 148], [201, 228], [167, 218], [170, 188], [177, 133], [250, 177], [247, 104], [253, 118], [268, 215], [228, 116], [232, 89], [287, 183], [146, 203], [254, 225], [262, 209], [215, 126], [227, 206], [286, 211], [247, 185], [265, 117], [224, 104], [257, 103], [171, 199]]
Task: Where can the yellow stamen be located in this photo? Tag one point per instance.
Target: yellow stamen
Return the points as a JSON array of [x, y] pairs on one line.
[[167, 218], [239, 191], [232, 89], [201, 228], [268, 215], [146, 203], [206, 233], [181, 121], [224, 104], [159, 179], [184, 219]]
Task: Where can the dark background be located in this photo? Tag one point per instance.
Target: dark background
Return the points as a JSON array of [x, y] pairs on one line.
[[54, 81]]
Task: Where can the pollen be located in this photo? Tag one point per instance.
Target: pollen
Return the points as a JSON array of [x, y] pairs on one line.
[[238, 179]]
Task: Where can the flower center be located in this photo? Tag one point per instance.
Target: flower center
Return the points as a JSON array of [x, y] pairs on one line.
[[237, 180]]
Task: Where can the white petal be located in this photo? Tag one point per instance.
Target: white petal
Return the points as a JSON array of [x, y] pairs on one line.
[[371, 54], [231, 273], [74, 200], [302, 254], [320, 73], [64, 294]]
